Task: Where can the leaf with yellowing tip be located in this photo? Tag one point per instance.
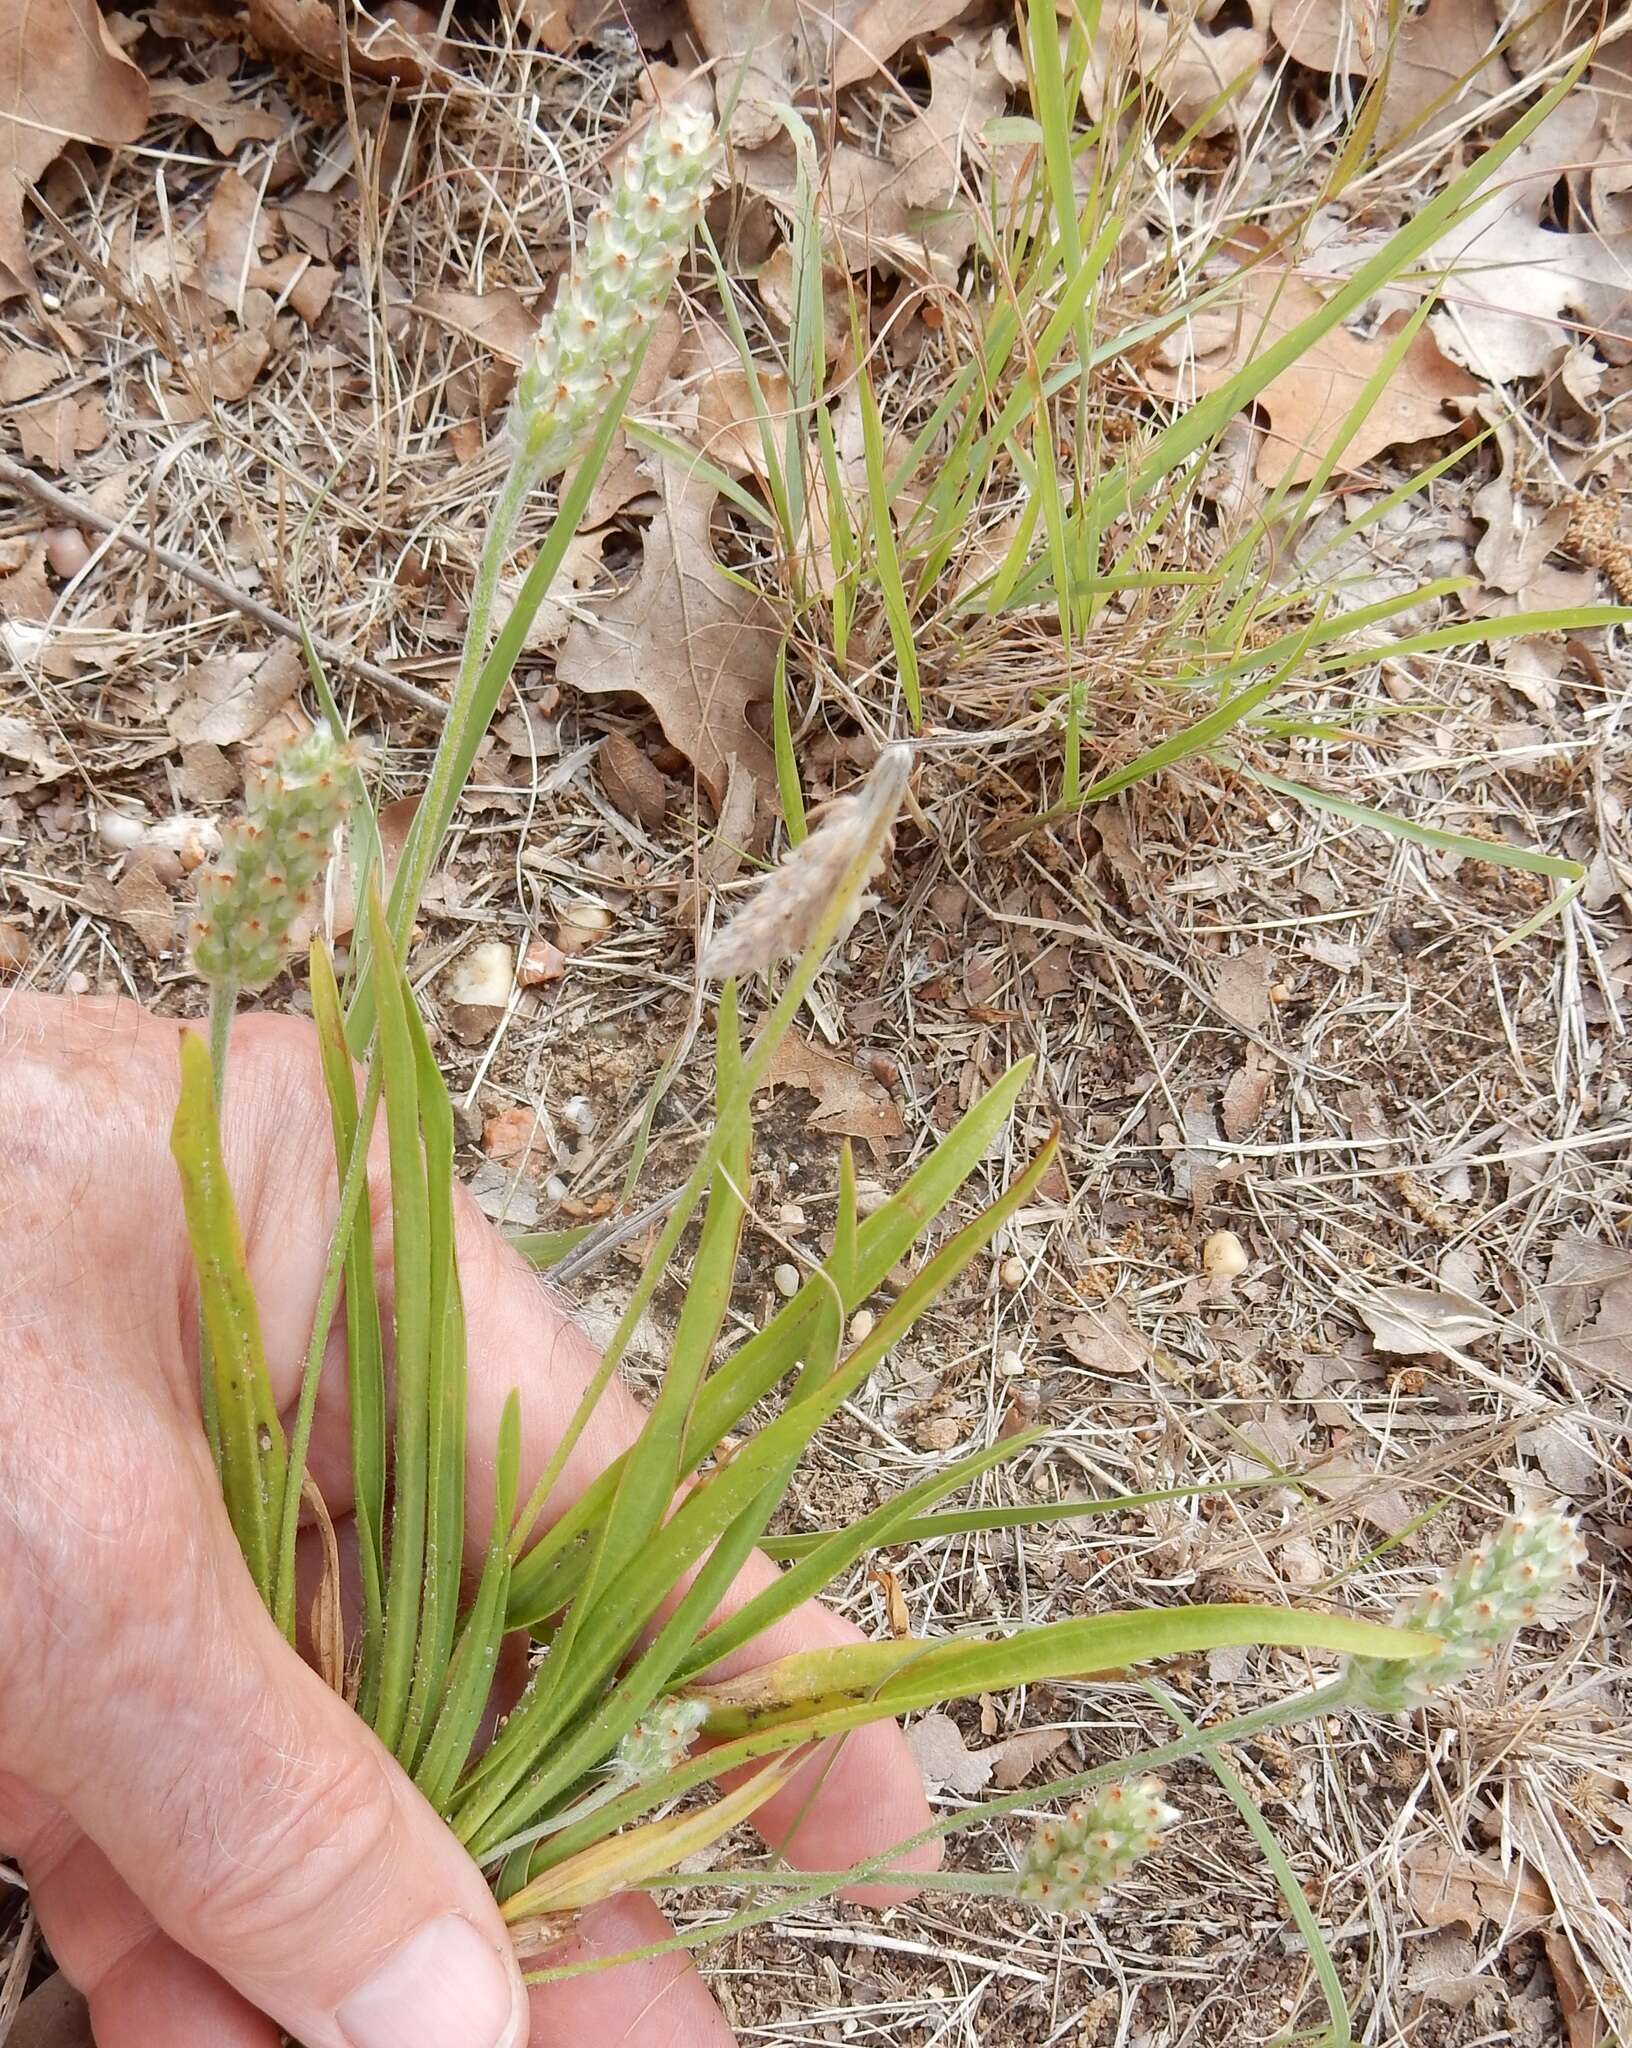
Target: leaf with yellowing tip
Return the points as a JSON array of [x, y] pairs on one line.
[[645, 1852]]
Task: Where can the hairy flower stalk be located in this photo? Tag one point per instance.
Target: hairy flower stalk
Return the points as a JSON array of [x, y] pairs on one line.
[[1488, 1597], [270, 863], [1093, 1844]]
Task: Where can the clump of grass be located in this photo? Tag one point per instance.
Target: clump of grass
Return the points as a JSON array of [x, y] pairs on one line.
[[586, 1788], [1039, 540]]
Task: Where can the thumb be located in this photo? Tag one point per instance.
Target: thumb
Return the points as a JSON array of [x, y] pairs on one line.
[[256, 1817]]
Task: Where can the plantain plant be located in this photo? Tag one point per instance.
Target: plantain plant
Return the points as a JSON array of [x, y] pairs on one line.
[[593, 1782]]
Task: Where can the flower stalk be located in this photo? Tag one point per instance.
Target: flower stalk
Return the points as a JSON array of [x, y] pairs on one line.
[[266, 875], [1501, 1588], [1075, 1856], [583, 354]]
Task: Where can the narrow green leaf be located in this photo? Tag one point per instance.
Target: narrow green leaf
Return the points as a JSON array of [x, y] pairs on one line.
[[365, 1356], [829, 1690], [481, 1635], [545, 1577], [445, 1402], [712, 1508], [824, 1560], [411, 1268], [252, 1441], [886, 562]]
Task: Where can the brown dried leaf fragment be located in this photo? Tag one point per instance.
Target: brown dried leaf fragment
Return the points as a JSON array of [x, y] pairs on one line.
[[632, 784], [228, 122], [138, 899], [849, 1103], [696, 644], [1439, 59], [494, 320], [62, 79], [1309, 401], [403, 46]]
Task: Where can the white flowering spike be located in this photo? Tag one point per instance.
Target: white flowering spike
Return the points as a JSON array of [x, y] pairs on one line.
[[616, 288], [270, 862], [1093, 1844], [1488, 1597], [659, 1740]]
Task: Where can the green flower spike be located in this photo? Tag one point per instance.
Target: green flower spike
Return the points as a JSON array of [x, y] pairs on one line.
[[1093, 1844], [1489, 1596], [270, 863], [615, 290]]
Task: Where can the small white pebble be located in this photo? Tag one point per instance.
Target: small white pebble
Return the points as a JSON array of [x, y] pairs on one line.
[[577, 1112], [1011, 1365], [871, 1196], [482, 977], [790, 1217], [1011, 1274], [786, 1278], [1223, 1256], [861, 1325], [555, 1187]]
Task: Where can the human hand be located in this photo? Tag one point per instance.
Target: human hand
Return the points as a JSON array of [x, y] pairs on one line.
[[216, 1846]]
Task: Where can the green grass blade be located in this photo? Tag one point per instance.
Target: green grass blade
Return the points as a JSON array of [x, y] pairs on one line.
[[789, 793], [481, 1635], [821, 1563], [542, 1579], [445, 1403], [1341, 2032], [365, 1355], [826, 1691], [654, 1465], [702, 1519], [734, 1115], [1041, 1514], [1491, 851], [253, 1452], [1196, 426], [411, 1267], [886, 562]]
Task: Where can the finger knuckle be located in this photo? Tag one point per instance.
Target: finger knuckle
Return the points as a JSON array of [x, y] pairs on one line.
[[299, 1861]]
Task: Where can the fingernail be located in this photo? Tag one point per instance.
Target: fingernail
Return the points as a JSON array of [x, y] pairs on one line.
[[446, 1987]]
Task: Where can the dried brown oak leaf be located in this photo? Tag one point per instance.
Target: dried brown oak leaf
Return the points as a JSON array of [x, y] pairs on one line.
[[696, 644], [228, 121], [1207, 63], [401, 43], [1520, 291], [1309, 401], [911, 208], [849, 1103], [769, 54], [62, 79], [1439, 63], [496, 320], [882, 29]]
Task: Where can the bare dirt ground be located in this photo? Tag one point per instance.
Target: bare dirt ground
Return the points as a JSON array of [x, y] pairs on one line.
[[276, 336]]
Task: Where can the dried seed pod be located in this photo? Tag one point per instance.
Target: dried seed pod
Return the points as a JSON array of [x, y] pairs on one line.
[[1488, 1597], [780, 919], [1072, 1859], [271, 861]]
